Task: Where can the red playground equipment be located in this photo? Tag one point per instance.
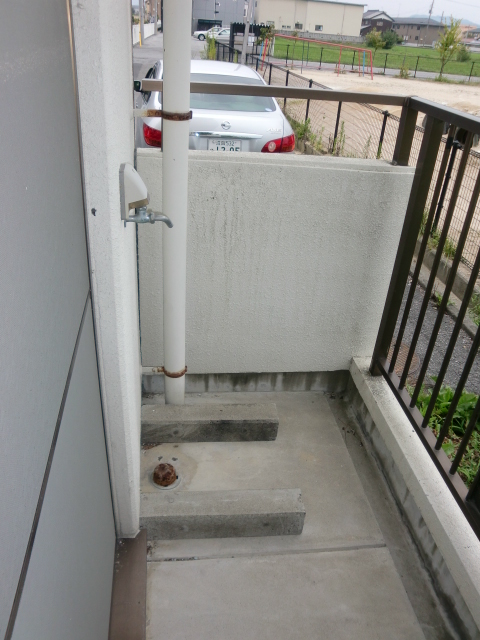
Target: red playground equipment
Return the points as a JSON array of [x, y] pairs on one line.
[[365, 59]]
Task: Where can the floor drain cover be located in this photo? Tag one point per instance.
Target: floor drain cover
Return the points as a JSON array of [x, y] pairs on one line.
[[164, 474], [402, 358]]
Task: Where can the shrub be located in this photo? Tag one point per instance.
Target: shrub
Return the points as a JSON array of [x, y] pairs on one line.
[[463, 55]]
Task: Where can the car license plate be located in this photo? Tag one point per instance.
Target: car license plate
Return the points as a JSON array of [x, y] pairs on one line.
[[215, 144]]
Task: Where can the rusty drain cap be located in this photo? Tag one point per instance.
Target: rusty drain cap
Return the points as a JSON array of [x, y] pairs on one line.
[[165, 476]]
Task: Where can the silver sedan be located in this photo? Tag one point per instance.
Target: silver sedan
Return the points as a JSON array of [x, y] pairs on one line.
[[223, 122]]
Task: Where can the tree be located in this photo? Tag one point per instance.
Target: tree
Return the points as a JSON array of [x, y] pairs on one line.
[[374, 41], [448, 43], [389, 39]]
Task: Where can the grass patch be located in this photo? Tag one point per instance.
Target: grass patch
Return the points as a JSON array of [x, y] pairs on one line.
[[474, 308], [470, 461], [393, 58]]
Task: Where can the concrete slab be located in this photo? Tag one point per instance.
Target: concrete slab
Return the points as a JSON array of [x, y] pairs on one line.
[[209, 423], [221, 514], [332, 595], [309, 453]]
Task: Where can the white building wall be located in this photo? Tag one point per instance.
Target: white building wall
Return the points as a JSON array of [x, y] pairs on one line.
[[336, 18], [103, 49], [289, 260]]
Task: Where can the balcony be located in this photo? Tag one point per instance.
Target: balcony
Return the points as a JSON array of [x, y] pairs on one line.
[[299, 273]]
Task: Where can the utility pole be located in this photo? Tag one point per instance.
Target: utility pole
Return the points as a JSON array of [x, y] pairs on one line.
[[141, 8], [155, 18], [247, 29], [428, 21]]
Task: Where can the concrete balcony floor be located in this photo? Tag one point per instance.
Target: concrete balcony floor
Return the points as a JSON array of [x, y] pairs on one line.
[[354, 572]]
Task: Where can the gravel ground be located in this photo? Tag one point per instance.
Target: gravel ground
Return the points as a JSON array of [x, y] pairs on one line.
[[460, 353]]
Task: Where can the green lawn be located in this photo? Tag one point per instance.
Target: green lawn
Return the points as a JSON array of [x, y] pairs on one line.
[[391, 59]]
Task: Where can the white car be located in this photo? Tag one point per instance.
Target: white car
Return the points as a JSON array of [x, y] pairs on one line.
[[222, 122], [201, 35]]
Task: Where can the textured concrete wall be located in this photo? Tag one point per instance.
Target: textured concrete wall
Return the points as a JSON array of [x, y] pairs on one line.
[[103, 49], [289, 260]]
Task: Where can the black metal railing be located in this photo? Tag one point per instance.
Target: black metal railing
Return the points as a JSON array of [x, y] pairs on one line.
[[393, 356], [447, 134]]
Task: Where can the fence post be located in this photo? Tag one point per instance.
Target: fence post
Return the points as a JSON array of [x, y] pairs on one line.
[[286, 84], [353, 60], [337, 123], [257, 64], [382, 134], [321, 54], [308, 49], [416, 67], [308, 101], [270, 74], [413, 218], [218, 51], [385, 65], [471, 69]]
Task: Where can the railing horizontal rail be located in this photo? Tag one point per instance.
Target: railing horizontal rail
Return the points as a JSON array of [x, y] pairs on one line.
[[275, 91], [447, 114]]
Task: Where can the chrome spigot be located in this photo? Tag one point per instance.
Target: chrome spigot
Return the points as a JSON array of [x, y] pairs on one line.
[[142, 215]]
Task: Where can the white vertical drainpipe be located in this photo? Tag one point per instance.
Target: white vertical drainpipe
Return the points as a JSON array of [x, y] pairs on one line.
[[177, 16]]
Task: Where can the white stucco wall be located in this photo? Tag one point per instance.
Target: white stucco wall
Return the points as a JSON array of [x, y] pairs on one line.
[[103, 49], [289, 260]]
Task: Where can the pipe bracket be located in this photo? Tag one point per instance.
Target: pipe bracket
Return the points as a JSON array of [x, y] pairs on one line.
[[173, 374]]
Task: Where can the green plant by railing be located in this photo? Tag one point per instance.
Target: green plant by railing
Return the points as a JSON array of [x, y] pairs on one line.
[[210, 50], [470, 461], [339, 142]]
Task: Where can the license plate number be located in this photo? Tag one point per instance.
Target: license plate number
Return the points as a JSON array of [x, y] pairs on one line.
[[224, 145]]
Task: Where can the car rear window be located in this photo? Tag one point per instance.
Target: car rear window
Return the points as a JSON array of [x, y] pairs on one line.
[[216, 102]]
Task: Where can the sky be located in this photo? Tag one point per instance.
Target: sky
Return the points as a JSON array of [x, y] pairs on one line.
[[468, 10]]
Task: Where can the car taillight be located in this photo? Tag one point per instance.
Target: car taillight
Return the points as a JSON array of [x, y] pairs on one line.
[[280, 145], [153, 137]]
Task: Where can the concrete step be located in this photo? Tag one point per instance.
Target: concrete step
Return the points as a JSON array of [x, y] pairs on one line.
[[178, 515], [208, 423]]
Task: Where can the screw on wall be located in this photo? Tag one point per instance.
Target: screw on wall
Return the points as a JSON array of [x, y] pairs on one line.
[[94, 212]]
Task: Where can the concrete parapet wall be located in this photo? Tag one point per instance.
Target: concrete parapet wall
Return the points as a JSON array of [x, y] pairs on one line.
[[289, 260], [447, 543]]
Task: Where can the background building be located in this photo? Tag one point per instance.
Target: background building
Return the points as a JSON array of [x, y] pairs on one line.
[[375, 19], [335, 18], [207, 13], [417, 30]]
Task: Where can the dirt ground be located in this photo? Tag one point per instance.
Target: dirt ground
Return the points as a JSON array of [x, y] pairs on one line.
[[465, 97]]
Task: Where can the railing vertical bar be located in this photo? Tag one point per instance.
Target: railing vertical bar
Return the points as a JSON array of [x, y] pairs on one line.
[[454, 146], [286, 84], [421, 253], [431, 281], [382, 134], [270, 74], [308, 101], [337, 122], [463, 307], [413, 218], [406, 131]]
